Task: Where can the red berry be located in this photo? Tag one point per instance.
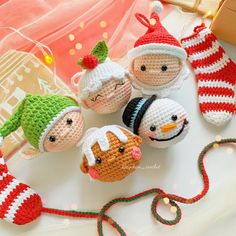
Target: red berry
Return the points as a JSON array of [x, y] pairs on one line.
[[90, 61]]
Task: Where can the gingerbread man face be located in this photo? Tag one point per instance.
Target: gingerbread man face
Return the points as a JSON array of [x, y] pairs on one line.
[[111, 154], [113, 95], [66, 133], [156, 70]]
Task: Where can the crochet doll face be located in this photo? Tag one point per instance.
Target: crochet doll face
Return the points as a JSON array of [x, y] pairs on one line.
[[113, 95], [164, 123], [116, 159], [156, 69], [65, 133]]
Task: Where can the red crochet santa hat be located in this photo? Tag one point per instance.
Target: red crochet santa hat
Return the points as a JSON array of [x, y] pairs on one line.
[[156, 40]]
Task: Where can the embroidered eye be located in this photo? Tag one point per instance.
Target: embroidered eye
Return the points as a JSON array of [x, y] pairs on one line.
[[153, 128], [95, 98], [98, 160], [174, 117], [143, 68], [186, 121], [164, 68], [69, 121], [119, 84], [121, 149], [52, 139]]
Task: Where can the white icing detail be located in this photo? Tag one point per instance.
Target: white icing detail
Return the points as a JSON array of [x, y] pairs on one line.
[[163, 90], [11, 212], [100, 137], [11, 186], [206, 53], [216, 66], [52, 123]]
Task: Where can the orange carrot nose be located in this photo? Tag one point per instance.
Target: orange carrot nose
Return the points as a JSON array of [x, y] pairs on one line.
[[168, 127]]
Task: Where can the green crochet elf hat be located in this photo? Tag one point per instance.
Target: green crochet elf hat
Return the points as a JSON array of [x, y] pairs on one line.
[[37, 115]]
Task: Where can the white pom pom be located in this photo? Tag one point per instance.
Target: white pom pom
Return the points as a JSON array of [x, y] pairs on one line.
[[1, 141], [157, 6]]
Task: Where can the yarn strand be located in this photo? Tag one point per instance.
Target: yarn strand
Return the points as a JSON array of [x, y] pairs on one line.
[[160, 194], [86, 215]]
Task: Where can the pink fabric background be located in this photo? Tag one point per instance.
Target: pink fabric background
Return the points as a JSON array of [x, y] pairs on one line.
[[51, 22]]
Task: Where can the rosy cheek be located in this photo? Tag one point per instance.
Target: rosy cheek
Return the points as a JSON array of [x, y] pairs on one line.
[[93, 173], [136, 153]]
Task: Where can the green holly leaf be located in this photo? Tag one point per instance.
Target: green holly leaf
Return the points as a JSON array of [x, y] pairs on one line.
[[79, 62], [100, 51]]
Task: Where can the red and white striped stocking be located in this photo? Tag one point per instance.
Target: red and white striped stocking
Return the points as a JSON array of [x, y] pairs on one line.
[[215, 74], [19, 204]]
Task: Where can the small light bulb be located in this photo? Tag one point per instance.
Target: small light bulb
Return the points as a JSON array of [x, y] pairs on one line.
[[48, 59]]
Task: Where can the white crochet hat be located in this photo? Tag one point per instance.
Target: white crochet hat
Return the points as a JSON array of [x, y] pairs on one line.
[[98, 69], [92, 80]]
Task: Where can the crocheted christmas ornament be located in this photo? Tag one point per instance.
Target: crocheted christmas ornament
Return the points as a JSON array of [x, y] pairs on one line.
[[159, 122], [104, 85], [215, 74], [50, 123], [110, 153], [19, 204], [157, 60]]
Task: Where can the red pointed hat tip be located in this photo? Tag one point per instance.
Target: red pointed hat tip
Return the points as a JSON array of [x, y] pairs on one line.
[[90, 61]]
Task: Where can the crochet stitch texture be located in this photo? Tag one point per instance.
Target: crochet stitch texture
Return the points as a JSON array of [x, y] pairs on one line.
[[35, 114], [215, 74]]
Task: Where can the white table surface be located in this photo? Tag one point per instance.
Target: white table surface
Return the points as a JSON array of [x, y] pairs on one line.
[[59, 181]]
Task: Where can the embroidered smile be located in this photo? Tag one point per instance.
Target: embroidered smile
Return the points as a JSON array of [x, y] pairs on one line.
[[174, 136]]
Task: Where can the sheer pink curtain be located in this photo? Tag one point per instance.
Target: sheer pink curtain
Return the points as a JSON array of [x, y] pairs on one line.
[[71, 27]]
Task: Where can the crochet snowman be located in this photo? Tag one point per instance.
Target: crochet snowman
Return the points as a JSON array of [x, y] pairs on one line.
[[159, 122], [104, 85], [157, 61], [51, 123]]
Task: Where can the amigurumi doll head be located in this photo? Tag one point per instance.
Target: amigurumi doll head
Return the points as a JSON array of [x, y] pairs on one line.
[[157, 61], [160, 122], [104, 85], [111, 153], [51, 123]]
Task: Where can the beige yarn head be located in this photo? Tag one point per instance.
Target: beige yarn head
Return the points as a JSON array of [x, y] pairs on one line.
[[156, 69], [64, 135], [113, 95], [114, 165]]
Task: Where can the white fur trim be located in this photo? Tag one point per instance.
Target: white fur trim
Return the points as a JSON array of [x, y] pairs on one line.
[[163, 90], [157, 48], [52, 123], [99, 136], [1, 140], [92, 80], [157, 6]]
